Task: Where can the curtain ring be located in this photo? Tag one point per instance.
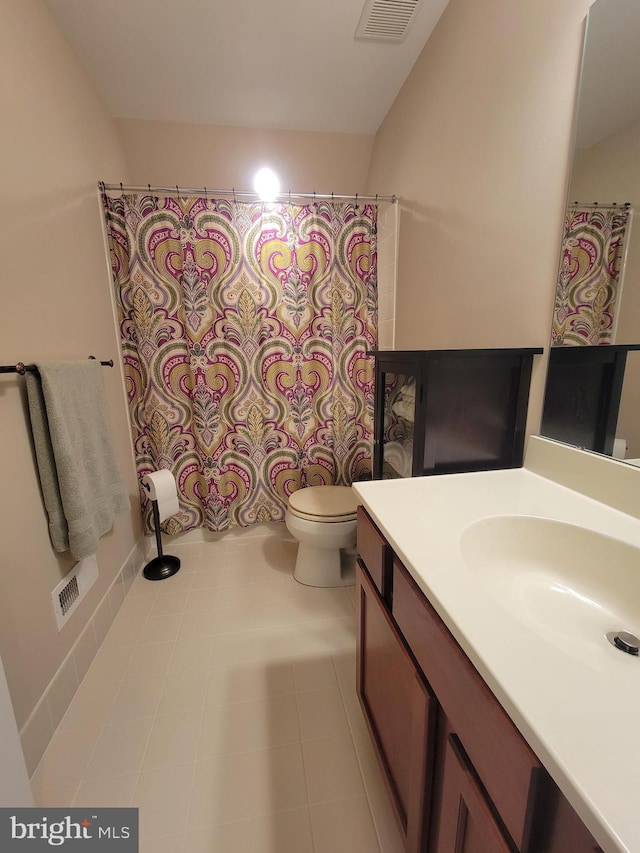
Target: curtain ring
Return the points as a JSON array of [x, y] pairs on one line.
[[149, 188], [234, 195], [376, 199], [356, 205], [289, 197], [121, 188], [177, 190], [205, 192]]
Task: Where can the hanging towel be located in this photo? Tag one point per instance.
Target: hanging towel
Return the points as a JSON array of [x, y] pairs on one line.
[[81, 484]]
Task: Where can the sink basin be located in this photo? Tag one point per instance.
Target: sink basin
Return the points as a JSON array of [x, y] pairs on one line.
[[572, 583]]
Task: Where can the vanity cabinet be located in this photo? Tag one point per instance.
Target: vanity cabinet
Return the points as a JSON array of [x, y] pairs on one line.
[[461, 777], [447, 411]]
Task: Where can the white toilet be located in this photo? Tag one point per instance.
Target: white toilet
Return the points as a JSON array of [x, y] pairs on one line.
[[323, 520]]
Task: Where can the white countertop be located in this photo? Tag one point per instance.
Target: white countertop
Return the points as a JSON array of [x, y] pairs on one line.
[[576, 703]]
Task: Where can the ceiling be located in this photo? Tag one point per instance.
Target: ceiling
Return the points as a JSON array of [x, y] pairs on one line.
[[282, 64]]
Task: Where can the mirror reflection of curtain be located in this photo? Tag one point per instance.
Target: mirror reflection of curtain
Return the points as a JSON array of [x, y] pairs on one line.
[[244, 330], [590, 279]]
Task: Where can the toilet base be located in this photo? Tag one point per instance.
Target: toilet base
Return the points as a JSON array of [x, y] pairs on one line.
[[325, 567]]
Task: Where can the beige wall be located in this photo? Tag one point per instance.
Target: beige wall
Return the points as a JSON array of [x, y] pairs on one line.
[[605, 173], [477, 147], [56, 142], [193, 155]]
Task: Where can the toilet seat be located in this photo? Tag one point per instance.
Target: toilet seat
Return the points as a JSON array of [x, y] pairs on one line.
[[324, 504]]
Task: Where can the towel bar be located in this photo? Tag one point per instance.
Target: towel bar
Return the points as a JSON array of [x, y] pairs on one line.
[[22, 368]]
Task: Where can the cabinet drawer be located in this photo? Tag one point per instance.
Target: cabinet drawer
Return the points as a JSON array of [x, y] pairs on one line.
[[505, 764], [374, 552]]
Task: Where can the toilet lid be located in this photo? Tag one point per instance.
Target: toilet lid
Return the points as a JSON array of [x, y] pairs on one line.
[[328, 503]]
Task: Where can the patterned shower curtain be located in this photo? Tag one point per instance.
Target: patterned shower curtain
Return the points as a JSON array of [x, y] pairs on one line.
[[589, 281], [244, 330]]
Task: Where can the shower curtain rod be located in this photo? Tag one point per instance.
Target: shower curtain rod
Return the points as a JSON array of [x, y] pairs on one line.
[[236, 194], [595, 205]]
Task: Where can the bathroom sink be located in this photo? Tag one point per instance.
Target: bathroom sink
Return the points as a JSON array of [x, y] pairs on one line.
[[572, 583]]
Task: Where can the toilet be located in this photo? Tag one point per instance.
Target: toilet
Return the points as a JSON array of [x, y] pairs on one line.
[[323, 520]]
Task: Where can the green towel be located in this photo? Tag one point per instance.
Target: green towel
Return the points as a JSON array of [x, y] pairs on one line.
[[81, 484]]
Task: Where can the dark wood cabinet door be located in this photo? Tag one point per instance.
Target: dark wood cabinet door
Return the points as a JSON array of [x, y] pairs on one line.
[[397, 429], [400, 713], [466, 823]]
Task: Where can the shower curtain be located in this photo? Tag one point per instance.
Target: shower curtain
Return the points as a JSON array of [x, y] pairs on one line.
[[590, 278], [244, 330]]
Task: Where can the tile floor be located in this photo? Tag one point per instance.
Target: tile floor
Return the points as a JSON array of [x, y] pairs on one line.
[[222, 704]]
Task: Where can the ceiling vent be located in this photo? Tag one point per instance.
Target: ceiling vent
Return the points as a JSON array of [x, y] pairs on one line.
[[386, 20]]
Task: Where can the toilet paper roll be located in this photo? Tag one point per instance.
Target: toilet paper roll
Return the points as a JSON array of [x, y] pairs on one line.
[[160, 486], [619, 448]]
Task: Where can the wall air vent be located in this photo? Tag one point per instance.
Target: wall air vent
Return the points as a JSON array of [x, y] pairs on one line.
[[386, 20], [69, 595], [72, 588]]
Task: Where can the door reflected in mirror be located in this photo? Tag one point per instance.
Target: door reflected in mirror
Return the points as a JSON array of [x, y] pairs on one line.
[[592, 397]]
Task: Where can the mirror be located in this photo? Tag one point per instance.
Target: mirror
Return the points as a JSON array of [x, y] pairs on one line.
[[606, 170]]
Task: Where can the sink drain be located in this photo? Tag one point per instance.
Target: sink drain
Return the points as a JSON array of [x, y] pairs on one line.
[[624, 641]]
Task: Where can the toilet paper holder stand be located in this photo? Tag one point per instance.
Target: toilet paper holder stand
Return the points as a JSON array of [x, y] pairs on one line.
[[164, 565]]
